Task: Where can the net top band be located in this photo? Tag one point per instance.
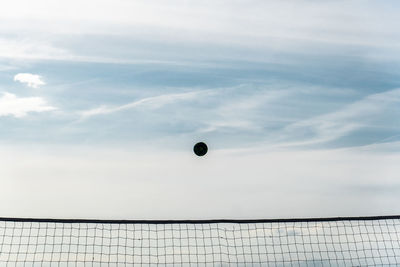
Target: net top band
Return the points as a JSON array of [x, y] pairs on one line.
[[208, 221]]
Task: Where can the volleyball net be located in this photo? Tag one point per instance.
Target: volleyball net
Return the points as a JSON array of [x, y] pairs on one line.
[[357, 241]]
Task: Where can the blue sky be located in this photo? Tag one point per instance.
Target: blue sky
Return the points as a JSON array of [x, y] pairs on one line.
[[102, 101]]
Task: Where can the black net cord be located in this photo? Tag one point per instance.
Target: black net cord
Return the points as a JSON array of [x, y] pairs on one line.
[[238, 221]]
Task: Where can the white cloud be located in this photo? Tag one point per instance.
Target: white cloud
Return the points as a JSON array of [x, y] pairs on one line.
[[151, 102], [11, 105], [32, 80]]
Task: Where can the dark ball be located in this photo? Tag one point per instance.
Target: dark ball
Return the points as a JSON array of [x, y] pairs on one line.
[[200, 149]]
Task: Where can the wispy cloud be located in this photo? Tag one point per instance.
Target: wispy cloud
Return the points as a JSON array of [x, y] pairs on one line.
[[31, 80], [219, 27], [149, 102], [243, 112], [331, 126], [31, 49], [11, 105]]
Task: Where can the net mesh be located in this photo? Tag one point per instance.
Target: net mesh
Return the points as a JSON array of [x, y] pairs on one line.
[[359, 242]]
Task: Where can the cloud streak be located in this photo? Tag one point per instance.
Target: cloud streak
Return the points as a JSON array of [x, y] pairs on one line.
[[149, 102], [242, 112], [331, 126]]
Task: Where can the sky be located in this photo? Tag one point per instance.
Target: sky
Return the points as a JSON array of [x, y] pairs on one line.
[[102, 101]]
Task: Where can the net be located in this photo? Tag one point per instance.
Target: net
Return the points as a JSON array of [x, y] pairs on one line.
[[361, 241]]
